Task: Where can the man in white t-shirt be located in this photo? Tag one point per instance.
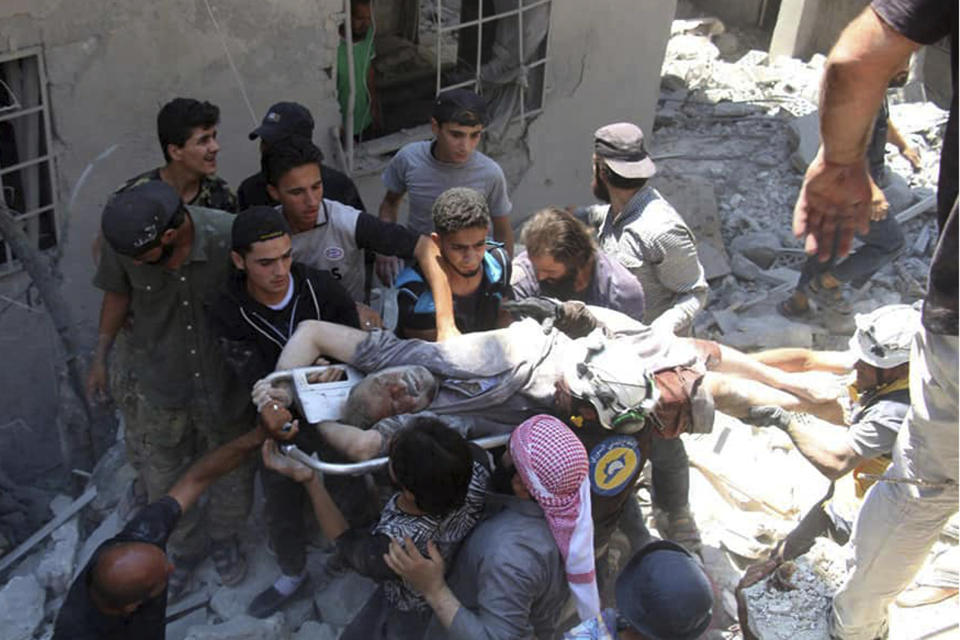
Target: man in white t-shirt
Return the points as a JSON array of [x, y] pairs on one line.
[[428, 168]]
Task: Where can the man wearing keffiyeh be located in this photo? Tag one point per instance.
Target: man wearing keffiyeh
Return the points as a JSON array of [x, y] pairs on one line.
[[515, 571]]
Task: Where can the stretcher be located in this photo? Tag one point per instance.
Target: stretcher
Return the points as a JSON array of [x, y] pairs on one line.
[[325, 401]]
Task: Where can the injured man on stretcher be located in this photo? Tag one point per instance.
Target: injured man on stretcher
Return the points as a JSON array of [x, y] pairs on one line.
[[578, 362]]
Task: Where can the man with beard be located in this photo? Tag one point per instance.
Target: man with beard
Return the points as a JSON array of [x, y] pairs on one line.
[[562, 261], [160, 266], [478, 270], [649, 237], [640, 228]]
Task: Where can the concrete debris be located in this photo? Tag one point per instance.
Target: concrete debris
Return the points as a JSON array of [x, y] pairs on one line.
[[801, 612], [55, 571], [313, 630], [340, 601], [804, 140], [21, 608], [761, 247], [243, 628], [698, 27]]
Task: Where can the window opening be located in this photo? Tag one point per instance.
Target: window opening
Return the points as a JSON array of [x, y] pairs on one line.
[[26, 159], [421, 48]]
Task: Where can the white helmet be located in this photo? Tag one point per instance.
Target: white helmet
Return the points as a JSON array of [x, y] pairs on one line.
[[884, 336], [623, 393]]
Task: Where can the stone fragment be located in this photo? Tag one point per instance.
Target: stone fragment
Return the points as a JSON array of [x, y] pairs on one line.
[[60, 503], [768, 332], [754, 58], [21, 608], [759, 246], [242, 628], [708, 26], [688, 47], [735, 109], [804, 135], [313, 630], [343, 598], [55, 571]]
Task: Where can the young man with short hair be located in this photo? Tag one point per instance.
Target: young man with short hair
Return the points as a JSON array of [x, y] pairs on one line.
[[187, 130], [427, 169], [266, 296], [562, 261], [366, 110], [478, 270], [286, 120], [328, 235]]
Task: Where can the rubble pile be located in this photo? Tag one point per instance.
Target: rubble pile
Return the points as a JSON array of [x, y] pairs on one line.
[[749, 125], [794, 604]]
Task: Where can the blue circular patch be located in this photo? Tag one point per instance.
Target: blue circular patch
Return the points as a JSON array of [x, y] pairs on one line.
[[613, 465], [333, 253]]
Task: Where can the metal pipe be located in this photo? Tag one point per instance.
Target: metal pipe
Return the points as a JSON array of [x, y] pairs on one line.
[[352, 93], [439, 38], [367, 466]]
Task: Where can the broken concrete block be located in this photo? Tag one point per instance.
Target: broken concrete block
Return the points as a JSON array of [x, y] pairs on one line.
[[708, 26], [754, 58], [242, 628], [178, 628], [21, 608], [60, 503], [694, 199], [759, 246], [343, 598], [55, 571], [313, 630], [804, 135]]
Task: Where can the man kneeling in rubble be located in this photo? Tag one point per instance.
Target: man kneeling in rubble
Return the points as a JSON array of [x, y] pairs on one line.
[[485, 383], [880, 354]]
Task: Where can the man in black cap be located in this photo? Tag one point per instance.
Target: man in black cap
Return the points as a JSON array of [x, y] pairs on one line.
[[187, 129], [662, 593], [160, 266], [284, 120], [428, 168], [647, 235], [264, 299]]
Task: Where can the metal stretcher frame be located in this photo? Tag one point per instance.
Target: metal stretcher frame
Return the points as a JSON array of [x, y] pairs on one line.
[[368, 466]]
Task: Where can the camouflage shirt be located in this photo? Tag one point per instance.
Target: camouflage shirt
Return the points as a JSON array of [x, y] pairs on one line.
[[213, 193]]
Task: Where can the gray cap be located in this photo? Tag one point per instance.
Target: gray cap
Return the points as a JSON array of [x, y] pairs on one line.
[[621, 146], [134, 219]]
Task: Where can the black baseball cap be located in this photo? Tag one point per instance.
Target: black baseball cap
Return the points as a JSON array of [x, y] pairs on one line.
[[461, 106], [134, 219], [257, 224], [283, 120], [664, 593]]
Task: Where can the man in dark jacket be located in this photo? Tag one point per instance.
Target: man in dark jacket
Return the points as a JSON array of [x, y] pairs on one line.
[[264, 300]]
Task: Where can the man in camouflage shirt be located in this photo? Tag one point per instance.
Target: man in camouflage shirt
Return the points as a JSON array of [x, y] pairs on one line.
[[187, 129]]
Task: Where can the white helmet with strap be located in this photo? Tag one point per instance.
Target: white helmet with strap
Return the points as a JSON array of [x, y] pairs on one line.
[[884, 336]]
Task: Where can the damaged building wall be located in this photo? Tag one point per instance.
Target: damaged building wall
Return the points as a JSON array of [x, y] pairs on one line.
[[110, 66]]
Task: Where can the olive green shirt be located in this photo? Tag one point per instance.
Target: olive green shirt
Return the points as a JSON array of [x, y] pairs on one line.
[[174, 356]]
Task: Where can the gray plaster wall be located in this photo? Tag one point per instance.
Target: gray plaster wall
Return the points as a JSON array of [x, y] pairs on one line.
[[112, 63]]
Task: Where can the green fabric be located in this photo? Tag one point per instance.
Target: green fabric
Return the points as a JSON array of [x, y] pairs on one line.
[[362, 59]]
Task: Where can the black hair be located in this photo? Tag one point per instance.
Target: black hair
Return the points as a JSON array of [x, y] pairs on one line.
[[557, 233], [433, 462], [460, 208], [179, 117], [287, 154], [616, 180]]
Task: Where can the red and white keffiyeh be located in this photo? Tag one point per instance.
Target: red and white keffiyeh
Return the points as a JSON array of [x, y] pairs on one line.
[[554, 468]]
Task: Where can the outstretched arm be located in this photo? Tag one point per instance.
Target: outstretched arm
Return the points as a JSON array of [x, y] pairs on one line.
[[796, 359], [428, 257], [835, 197], [210, 467]]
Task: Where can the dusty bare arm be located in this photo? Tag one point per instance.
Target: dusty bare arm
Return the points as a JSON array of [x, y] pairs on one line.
[[428, 257], [314, 338], [113, 313], [214, 464], [793, 359], [835, 197], [355, 443]]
